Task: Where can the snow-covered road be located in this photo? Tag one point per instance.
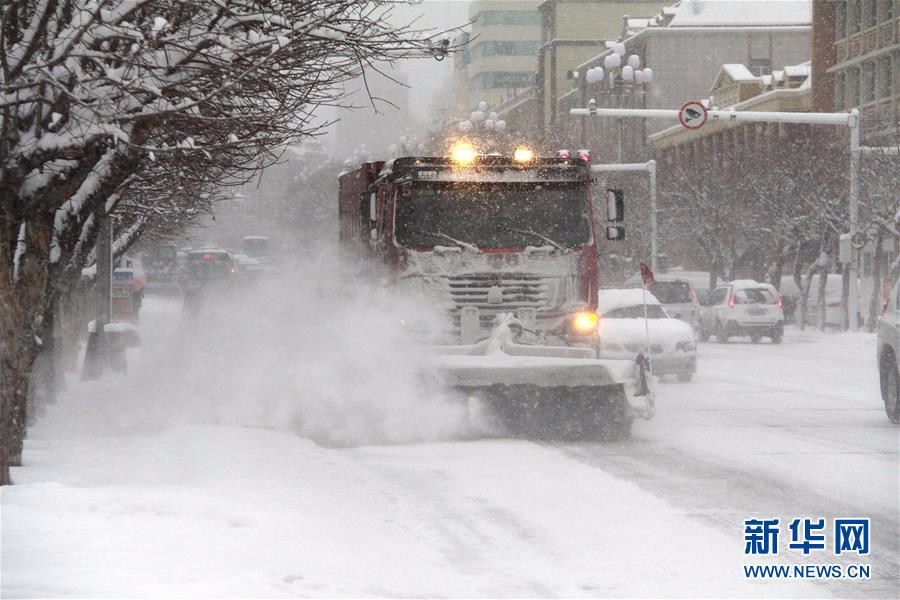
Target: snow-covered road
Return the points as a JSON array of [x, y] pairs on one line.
[[116, 499]]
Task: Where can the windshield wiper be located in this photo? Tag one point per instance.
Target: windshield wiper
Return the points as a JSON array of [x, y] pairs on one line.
[[460, 243], [553, 243]]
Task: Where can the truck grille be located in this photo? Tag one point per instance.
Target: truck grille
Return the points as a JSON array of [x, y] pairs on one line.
[[513, 290]]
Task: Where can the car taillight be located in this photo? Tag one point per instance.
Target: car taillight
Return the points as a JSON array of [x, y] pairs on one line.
[[779, 302], [731, 302], [693, 293]]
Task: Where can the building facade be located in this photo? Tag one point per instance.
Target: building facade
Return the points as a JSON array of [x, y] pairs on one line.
[[498, 62], [860, 48], [571, 32], [686, 46]]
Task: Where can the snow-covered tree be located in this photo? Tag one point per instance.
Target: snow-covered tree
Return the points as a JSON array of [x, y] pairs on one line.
[[105, 102], [880, 217]]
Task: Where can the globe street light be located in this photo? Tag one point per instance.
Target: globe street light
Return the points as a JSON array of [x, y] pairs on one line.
[[621, 77]]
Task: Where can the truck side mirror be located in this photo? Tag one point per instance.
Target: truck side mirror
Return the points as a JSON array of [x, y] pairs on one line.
[[615, 233], [615, 206]]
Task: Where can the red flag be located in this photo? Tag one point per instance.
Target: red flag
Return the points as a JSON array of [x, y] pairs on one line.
[[646, 274]]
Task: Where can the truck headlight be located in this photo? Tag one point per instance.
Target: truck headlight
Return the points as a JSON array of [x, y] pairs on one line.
[[585, 322], [523, 154], [463, 153]]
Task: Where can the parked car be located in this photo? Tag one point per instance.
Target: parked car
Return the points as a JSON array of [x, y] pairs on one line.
[[677, 295], [623, 332], [889, 355], [790, 294], [743, 307], [699, 279]]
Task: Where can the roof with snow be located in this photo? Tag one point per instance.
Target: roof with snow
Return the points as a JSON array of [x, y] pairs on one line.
[[798, 70], [738, 72], [741, 13]]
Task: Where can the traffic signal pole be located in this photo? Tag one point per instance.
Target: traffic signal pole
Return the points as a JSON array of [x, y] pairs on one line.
[[650, 168], [849, 120]]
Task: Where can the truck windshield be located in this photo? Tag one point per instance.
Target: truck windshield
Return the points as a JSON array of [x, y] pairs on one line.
[[487, 215]]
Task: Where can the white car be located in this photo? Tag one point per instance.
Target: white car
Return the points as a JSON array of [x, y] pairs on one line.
[[743, 307], [623, 333], [833, 293]]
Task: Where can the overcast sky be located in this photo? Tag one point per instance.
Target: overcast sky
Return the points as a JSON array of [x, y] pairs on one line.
[[426, 75]]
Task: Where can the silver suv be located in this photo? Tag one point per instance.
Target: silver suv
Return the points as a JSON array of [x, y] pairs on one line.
[[889, 355], [677, 294], [743, 307]]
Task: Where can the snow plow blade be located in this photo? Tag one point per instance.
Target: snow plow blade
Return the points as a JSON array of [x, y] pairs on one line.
[[546, 391]]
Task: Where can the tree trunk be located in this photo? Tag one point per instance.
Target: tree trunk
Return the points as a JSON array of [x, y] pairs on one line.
[[776, 273], [23, 326], [823, 262], [800, 309], [19, 353], [713, 276]]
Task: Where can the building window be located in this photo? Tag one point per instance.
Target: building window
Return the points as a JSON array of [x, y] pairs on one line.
[[871, 13], [507, 48], [840, 20], [840, 91], [887, 10], [760, 66], [490, 18], [885, 78], [869, 82], [896, 91], [505, 79], [464, 57], [855, 15], [852, 87]]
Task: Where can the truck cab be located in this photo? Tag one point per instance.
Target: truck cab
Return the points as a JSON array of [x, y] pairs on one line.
[[505, 246], [483, 236]]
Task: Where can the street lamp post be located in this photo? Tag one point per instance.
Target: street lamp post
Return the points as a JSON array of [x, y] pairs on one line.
[[621, 79], [482, 120]]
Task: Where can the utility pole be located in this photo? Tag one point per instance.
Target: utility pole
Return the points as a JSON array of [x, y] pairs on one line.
[[849, 119], [853, 292]]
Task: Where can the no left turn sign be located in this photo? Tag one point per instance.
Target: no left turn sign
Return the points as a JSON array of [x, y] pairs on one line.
[[692, 115]]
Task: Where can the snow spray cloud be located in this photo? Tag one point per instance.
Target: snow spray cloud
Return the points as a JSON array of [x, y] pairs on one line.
[[311, 349]]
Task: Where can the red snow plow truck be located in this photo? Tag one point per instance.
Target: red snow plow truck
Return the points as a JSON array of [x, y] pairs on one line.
[[505, 247]]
